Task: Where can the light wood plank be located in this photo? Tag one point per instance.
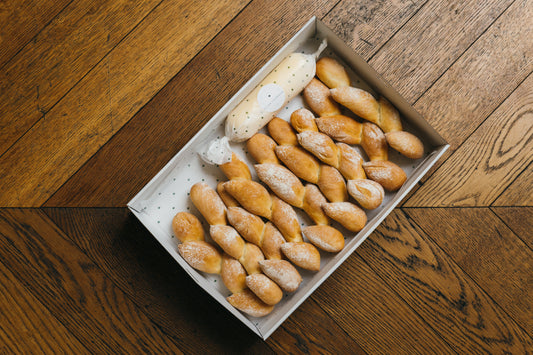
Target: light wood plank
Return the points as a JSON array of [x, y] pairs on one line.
[[309, 330], [373, 314], [519, 193], [436, 288], [73, 288], [28, 326], [122, 248], [367, 25], [21, 21], [488, 251], [50, 65], [519, 220], [480, 80], [107, 97], [181, 108], [422, 50], [490, 159]]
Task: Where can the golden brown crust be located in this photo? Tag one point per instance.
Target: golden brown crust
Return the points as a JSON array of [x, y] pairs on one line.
[[360, 102], [285, 219], [207, 201], [261, 148], [282, 132], [272, 241], [187, 227], [303, 120], [201, 256], [228, 239], [226, 198], [368, 193], [313, 204], [374, 142], [332, 73], [324, 237], [341, 128], [318, 97], [321, 146], [347, 214], [251, 195], [264, 288], [283, 273], [390, 117], [249, 226], [332, 184], [236, 169], [302, 163], [282, 182], [247, 302], [233, 274], [251, 257], [303, 255], [386, 173], [350, 162], [406, 144]]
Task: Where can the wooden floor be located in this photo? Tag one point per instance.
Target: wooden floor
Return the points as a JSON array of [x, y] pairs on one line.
[[96, 96]]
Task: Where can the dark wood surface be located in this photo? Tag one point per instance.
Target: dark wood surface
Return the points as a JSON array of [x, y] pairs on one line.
[[96, 97]]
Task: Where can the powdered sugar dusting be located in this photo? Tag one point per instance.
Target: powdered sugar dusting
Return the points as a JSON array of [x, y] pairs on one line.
[[317, 143], [281, 180], [283, 273]]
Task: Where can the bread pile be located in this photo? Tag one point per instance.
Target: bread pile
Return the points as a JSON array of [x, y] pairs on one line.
[[307, 163]]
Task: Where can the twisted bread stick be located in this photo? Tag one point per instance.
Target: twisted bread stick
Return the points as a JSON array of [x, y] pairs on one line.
[[303, 164], [205, 257], [289, 188]]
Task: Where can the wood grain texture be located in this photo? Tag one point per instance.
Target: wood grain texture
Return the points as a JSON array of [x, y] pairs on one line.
[[490, 159], [519, 220], [519, 192], [178, 111], [21, 21], [372, 314], [22, 314], [488, 251], [73, 288], [134, 261], [309, 330], [58, 57], [45, 157], [480, 80], [367, 25], [439, 290], [417, 55]]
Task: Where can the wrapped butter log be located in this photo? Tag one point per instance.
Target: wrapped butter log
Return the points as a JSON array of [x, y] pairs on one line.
[[205, 257], [280, 86]]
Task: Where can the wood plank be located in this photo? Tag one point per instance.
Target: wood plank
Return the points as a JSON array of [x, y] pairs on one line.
[[480, 80], [181, 108], [73, 288], [58, 57], [129, 256], [28, 326], [490, 159], [367, 25], [21, 21], [487, 250], [309, 330], [519, 220], [436, 288], [422, 50], [373, 314], [519, 192], [45, 157]]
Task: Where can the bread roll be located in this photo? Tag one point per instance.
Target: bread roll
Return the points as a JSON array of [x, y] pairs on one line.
[[283, 273], [386, 173], [332, 73], [226, 198], [247, 302], [233, 274], [264, 288], [187, 227], [318, 97], [347, 214], [282, 182], [368, 193], [302, 254], [201, 256], [207, 201], [325, 237], [405, 143]]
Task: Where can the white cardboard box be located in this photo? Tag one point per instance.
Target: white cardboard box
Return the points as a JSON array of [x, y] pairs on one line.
[[167, 193]]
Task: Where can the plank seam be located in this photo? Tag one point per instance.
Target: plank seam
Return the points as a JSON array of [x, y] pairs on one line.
[[517, 176], [487, 294]]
